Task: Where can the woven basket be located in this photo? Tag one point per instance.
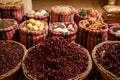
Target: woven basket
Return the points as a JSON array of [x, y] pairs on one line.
[[78, 77], [9, 33], [105, 73], [10, 75], [31, 38], [78, 17], [57, 16], [113, 28]]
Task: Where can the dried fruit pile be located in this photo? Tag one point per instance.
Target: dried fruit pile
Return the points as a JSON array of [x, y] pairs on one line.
[[10, 55], [93, 24], [108, 56], [55, 59]]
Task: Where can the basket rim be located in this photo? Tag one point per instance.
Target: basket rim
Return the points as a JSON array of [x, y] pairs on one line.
[[80, 76], [99, 66], [10, 72]]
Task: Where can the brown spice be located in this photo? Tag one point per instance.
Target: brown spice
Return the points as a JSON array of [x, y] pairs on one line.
[[56, 59], [10, 55]]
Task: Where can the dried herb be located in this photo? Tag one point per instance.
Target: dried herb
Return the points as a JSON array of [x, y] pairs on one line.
[[10, 55], [55, 59], [5, 23]]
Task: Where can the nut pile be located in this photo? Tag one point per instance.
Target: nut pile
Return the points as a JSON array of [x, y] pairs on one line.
[[34, 25], [92, 24], [10, 55], [108, 56], [55, 59]]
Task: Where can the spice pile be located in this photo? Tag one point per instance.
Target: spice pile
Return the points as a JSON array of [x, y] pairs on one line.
[[92, 24], [55, 59], [108, 56], [5, 23], [10, 55]]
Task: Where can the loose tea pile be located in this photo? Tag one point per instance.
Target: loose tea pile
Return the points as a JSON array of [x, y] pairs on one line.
[[108, 56], [55, 59], [10, 55], [5, 23]]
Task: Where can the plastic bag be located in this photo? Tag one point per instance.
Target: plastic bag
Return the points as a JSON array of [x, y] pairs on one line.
[[112, 9], [112, 2]]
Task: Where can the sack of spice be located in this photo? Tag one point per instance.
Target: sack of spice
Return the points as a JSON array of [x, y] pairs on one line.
[[37, 14], [91, 32], [14, 10], [11, 56], [32, 32], [8, 28], [62, 13], [56, 59], [68, 30], [86, 13], [106, 56], [114, 32]]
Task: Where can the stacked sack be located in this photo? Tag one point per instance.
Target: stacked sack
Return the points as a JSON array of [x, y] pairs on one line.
[[91, 28], [111, 12], [12, 9], [62, 22]]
